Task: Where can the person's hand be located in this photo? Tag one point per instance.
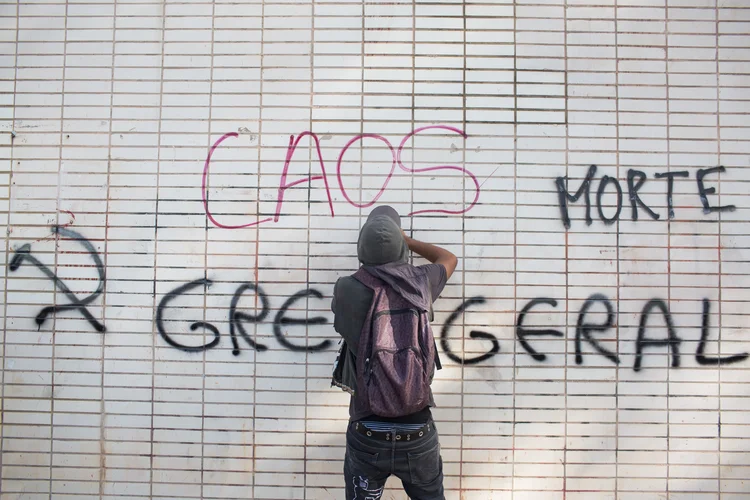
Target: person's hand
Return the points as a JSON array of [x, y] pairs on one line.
[[433, 253]]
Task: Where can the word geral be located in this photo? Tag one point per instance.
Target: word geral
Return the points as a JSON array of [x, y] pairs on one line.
[[585, 329], [285, 184]]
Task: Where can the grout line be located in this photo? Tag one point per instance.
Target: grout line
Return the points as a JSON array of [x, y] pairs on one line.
[[310, 152], [719, 245], [103, 407], [57, 247], [7, 244], [413, 115], [207, 233], [669, 235], [567, 269], [152, 455], [514, 371], [618, 256], [463, 253], [363, 78], [363, 50], [257, 229]]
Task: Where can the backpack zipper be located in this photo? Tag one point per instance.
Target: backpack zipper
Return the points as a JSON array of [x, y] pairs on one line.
[[368, 366], [394, 312]]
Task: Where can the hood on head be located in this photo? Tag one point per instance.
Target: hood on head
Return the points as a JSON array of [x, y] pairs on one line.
[[381, 240]]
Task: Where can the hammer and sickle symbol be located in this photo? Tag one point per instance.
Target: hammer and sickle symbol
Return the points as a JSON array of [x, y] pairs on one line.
[[24, 254]]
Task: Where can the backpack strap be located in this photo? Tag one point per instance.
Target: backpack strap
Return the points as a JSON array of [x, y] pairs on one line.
[[438, 364]]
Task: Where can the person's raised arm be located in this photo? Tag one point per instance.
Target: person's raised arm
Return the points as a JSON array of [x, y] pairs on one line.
[[434, 254]]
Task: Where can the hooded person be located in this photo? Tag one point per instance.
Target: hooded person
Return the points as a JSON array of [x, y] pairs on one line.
[[383, 252]]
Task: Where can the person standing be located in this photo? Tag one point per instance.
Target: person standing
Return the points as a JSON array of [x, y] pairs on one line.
[[382, 313]]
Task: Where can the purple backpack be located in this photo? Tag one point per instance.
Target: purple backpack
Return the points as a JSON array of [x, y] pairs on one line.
[[396, 356]]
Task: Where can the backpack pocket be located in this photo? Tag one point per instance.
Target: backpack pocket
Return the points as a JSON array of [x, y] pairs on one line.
[[396, 382]]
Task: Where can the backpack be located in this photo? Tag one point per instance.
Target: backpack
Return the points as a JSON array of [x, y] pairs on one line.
[[397, 355]]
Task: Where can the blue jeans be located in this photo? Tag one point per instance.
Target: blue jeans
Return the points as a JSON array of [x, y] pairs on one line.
[[369, 462]]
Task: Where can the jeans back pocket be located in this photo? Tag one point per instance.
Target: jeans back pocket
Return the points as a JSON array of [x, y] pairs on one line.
[[424, 467], [361, 462]]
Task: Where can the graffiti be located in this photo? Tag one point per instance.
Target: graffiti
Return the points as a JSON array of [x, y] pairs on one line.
[[24, 254], [600, 193], [473, 334], [635, 200], [703, 191], [169, 297], [522, 333], [565, 197], [670, 176], [237, 317], [672, 341], [584, 331], [700, 355], [642, 342], [284, 184], [281, 319]]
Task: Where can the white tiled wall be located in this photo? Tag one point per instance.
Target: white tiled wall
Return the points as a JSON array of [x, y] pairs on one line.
[[110, 110]]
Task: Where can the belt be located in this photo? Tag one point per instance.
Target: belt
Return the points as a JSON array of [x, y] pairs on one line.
[[424, 431]]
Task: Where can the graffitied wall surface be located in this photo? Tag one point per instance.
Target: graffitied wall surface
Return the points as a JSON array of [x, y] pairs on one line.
[[183, 182]]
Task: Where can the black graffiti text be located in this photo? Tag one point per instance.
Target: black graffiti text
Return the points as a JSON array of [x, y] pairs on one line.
[[584, 333], [238, 319], [635, 181]]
